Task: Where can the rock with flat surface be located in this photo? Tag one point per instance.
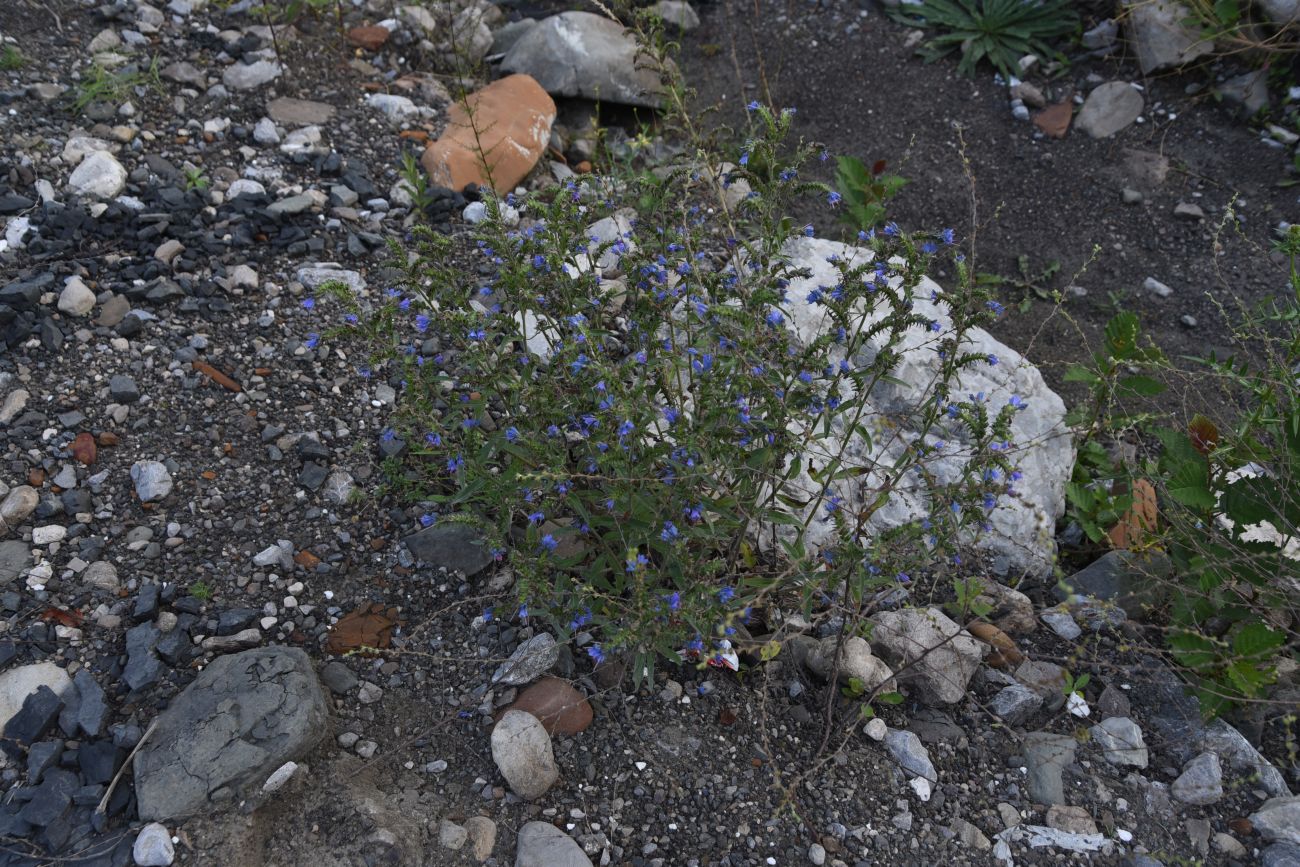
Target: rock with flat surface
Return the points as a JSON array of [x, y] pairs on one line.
[[587, 55], [17, 684], [99, 176], [243, 717], [1278, 820], [1110, 107], [530, 661], [246, 76], [541, 844], [1120, 740], [856, 662], [452, 546], [513, 118], [1201, 782], [906, 749], [1046, 758], [929, 651]]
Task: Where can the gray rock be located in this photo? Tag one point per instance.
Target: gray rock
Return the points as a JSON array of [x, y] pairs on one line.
[[264, 133], [76, 299], [18, 505], [856, 662], [522, 751], [482, 837], [15, 558], [1061, 623], [152, 480], [1201, 782], [92, 709], [1232, 747], [1015, 704], [1280, 12], [246, 76], [1246, 94], [1130, 580], [453, 546], [1156, 288], [1278, 820], [1110, 107], [1161, 36], [142, 664], [1102, 37], [1193, 213], [1280, 855], [587, 55], [338, 677], [291, 205], [17, 684], [530, 661], [452, 836], [1120, 740], [678, 13], [99, 175], [394, 107], [508, 34], [123, 389], [541, 844], [928, 650], [315, 276], [183, 72], [153, 846], [1046, 758], [911, 755], [243, 717], [298, 112], [970, 835], [102, 575], [1161, 701]]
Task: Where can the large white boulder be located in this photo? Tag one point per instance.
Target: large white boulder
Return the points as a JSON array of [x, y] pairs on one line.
[[1022, 535]]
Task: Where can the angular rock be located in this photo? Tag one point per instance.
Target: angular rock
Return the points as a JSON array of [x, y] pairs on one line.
[[678, 13], [1201, 782], [1046, 758], [1072, 820], [587, 55], [37, 715], [299, 112], [522, 751], [1120, 740], [17, 506], [1022, 539], [558, 706], [1131, 580], [243, 717], [152, 480], [453, 546], [1232, 747], [531, 660], [1015, 704], [911, 755], [1161, 36], [1278, 820], [1280, 855], [17, 684], [241, 76], [482, 837], [76, 299], [1246, 94], [929, 651], [315, 276], [1110, 107], [513, 117], [99, 175]]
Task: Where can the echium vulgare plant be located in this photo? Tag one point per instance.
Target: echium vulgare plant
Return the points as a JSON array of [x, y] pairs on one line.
[[626, 408]]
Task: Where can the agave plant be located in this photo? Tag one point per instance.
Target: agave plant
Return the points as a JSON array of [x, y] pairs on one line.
[[1000, 31]]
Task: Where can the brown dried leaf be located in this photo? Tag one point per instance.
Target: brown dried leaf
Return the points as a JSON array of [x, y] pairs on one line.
[[1204, 434], [1140, 519], [370, 626], [72, 619], [1005, 653]]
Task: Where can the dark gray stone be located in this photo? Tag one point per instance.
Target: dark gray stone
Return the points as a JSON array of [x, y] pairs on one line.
[[1016, 704], [1131, 581], [15, 558], [142, 665], [52, 798], [243, 717], [313, 475], [146, 602], [37, 716], [1046, 758], [236, 620], [1280, 855], [338, 677], [40, 758], [1172, 717], [92, 710], [123, 389], [99, 760], [453, 546], [311, 449]]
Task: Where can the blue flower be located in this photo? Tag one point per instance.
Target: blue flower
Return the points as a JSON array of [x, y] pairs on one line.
[[512, 434], [477, 334], [549, 543], [753, 105], [809, 231], [626, 428], [597, 655], [674, 601], [454, 464], [744, 158], [992, 359], [726, 594], [312, 341], [774, 318], [427, 520], [833, 198], [422, 323], [523, 612], [671, 415], [1017, 402], [946, 236], [891, 229], [308, 303], [995, 307], [669, 531]]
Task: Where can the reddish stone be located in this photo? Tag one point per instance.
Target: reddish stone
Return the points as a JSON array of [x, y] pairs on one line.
[[1055, 119], [84, 449], [558, 706], [513, 118], [369, 37]]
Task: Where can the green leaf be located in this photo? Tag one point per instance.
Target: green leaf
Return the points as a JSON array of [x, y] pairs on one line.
[[1256, 640], [1141, 385]]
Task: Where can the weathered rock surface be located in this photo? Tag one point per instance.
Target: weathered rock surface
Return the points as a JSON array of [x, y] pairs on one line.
[[929, 651], [541, 844], [1022, 538], [513, 118], [522, 751], [588, 55], [242, 718]]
